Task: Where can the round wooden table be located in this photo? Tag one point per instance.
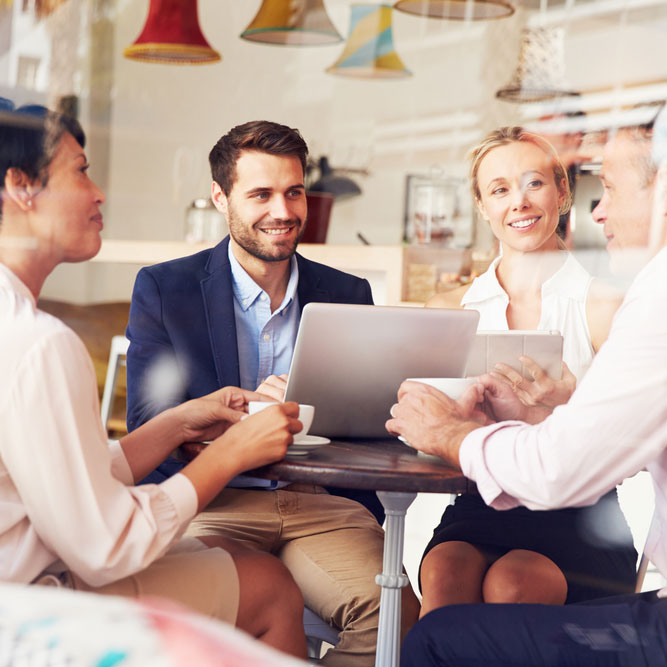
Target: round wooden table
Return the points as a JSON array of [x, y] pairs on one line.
[[396, 472]]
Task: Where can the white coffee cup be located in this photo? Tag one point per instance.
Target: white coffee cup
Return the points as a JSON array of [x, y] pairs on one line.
[[306, 413], [453, 387]]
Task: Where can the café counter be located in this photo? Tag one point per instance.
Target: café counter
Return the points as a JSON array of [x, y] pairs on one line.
[[398, 274]]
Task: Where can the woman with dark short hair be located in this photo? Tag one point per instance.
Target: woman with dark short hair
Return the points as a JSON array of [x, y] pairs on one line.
[[69, 507]]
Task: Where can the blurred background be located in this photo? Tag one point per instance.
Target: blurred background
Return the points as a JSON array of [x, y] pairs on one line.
[[388, 96]]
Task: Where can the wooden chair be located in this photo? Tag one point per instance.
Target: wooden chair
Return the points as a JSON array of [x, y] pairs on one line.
[[96, 324], [117, 355]]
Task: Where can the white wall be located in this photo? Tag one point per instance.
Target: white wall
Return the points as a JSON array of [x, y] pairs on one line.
[[156, 123], [151, 126]]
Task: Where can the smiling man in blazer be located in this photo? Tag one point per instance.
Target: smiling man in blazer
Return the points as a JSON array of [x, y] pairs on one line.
[[229, 316]]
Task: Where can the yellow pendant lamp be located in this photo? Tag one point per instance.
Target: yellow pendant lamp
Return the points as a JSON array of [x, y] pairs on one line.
[[293, 23], [369, 51]]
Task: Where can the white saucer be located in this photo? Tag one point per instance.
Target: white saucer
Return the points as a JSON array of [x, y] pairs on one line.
[[304, 443], [309, 441], [297, 451]]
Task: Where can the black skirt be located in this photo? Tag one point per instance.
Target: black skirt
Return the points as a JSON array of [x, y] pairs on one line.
[[577, 540]]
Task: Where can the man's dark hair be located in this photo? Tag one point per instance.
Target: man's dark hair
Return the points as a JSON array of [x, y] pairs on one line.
[[257, 135], [29, 138]]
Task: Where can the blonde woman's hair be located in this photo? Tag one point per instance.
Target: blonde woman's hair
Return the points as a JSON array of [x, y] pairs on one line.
[[509, 135]]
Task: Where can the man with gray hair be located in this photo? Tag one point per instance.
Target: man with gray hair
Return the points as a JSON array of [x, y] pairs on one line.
[[614, 425]]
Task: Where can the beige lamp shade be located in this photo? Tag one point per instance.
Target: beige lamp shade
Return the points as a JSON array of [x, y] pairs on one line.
[[540, 72], [461, 10], [292, 22], [369, 51]]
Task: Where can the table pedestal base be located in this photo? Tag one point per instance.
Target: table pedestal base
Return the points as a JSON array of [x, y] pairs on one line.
[[392, 578]]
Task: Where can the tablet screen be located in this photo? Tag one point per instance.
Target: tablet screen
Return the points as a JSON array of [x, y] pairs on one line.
[[492, 347]]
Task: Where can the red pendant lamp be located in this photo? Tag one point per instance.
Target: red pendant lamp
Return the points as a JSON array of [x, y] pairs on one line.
[[172, 35]]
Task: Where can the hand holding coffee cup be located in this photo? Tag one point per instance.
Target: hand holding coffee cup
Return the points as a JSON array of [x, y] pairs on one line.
[[263, 438], [306, 414]]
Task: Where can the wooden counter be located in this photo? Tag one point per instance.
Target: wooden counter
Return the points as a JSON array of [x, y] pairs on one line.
[[389, 262]]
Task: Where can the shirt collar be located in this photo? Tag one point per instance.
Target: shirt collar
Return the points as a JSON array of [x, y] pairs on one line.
[[488, 286], [8, 276], [484, 286], [564, 278], [247, 291]]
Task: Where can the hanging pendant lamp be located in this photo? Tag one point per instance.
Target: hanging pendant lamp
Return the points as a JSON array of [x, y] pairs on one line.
[[293, 23], [369, 51], [461, 10], [172, 35], [540, 72]]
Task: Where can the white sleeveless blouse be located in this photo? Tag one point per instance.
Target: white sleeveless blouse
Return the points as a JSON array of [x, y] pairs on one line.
[[563, 309]]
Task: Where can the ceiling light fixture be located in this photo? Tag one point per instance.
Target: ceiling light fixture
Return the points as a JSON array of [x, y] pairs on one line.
[[172, 35], [540, 72], [292, 23], [369, 51], [458, 10]]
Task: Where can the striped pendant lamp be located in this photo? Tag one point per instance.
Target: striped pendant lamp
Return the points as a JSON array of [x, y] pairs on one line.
[[369, 51]]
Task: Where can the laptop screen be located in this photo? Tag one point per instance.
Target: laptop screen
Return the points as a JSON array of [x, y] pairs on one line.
[[349, 360]]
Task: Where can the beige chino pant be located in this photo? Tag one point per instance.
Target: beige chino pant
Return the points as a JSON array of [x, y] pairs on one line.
[[200, 578], [331, 545]]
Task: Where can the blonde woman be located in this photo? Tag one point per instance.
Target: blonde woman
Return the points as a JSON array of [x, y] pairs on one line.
[[478, 554]]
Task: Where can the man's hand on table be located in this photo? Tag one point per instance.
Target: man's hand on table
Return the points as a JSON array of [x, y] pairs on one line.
[[434, 423], [541, 391], [273, 387], [503, 403]]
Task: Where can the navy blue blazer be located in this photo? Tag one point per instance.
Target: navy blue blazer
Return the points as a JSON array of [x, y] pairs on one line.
[[182, 311]]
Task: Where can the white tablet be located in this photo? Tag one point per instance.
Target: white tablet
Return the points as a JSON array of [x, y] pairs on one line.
[[492, 347]]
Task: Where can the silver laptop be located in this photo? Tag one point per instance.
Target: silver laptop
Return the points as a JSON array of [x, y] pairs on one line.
[[349, 360]]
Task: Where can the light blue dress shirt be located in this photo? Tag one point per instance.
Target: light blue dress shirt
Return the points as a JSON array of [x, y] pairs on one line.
[[265, 340]]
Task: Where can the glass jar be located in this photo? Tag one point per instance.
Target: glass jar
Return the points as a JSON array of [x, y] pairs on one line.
[[433, 215], [203, 222]]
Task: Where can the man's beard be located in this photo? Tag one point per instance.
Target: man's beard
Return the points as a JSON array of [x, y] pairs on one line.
[[242, 235]]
